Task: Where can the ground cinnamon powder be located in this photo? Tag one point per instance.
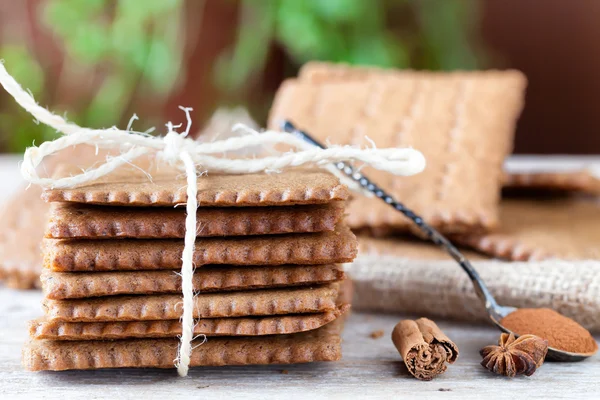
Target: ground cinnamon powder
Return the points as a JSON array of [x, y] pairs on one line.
[[562, 333]]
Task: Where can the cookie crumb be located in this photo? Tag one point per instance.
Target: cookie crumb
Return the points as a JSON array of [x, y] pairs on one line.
[[285, 371], [377, 334]]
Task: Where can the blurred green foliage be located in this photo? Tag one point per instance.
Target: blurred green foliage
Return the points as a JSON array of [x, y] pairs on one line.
[[137, 39], [129, 44], [446, 35], [18, 126], [134, 48], [432, 34]]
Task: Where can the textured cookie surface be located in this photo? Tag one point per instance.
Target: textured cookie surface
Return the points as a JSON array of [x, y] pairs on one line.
[[130, 254], [131, 186], [21, 233], [71, 220], [580, 181], [408, 248], [322, 344], [69, 285], [325, 72], [255, 326], [207, 305], [463, 123], [22, 221], [536, 229]]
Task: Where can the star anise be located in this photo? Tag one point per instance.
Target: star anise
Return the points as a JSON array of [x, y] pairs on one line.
[[512, 356]]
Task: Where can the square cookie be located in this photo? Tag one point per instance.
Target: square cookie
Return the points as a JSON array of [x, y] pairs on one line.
[[156, 184], [462, 122], [566, 228]]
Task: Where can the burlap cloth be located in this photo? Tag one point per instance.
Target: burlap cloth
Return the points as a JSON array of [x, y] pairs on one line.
[[417, 278]]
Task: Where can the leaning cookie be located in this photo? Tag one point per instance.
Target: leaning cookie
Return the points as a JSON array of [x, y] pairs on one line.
[[439, 114]]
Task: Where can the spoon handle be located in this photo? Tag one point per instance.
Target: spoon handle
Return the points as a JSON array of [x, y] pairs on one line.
[[430, 232]]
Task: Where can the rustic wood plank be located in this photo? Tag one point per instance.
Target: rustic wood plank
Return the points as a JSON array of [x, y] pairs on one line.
[[371, 368]]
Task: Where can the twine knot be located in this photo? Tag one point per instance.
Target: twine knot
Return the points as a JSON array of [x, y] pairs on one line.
[[175, 144]]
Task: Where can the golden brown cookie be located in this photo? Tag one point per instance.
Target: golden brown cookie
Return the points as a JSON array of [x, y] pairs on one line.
[[21, 232], [579, 181], [22, 221], [537, 229], [463, 123], [326, 72], [136, 254], [211, 327], [407, 248], [165, 186], [210, 278], [71, 220], [206, 305], [322, 344]]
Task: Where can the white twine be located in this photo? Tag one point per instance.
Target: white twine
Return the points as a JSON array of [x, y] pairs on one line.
[[189, 155], [187, 268]]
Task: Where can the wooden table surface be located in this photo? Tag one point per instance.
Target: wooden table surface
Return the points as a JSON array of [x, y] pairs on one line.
[[370, 368]]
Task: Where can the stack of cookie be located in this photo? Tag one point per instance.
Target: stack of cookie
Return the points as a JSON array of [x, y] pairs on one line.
[[269, 285]]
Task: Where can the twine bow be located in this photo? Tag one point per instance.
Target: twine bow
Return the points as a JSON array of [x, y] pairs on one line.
[[188, 156]]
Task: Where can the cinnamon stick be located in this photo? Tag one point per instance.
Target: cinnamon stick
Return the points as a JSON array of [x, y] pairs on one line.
[[424, 348]]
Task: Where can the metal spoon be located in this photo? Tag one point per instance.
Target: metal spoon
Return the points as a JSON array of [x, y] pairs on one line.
[[495, 311]]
